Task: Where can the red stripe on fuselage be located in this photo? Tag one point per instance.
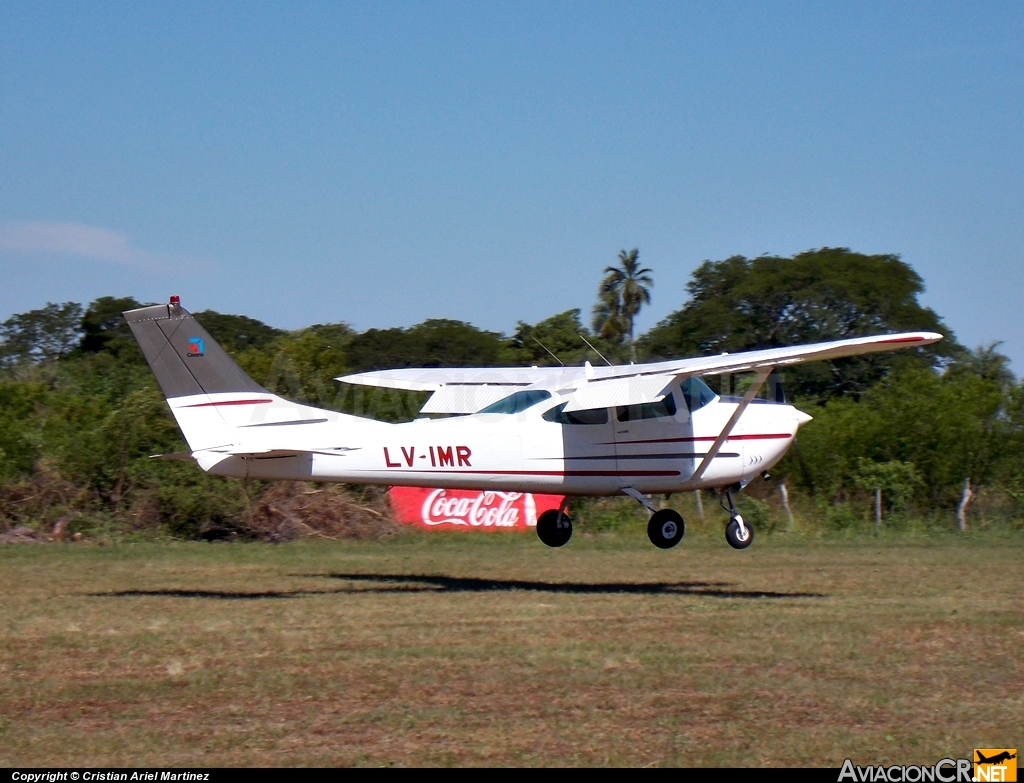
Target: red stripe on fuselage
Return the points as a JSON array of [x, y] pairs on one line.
[[226, 402], [904, 340], [545, 472], [712, 438]]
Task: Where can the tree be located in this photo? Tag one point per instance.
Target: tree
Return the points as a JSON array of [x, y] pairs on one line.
[[952, 427], [742, 304], [41, 335], [559, 334], [105, 330], [623, 291], [437, 342], [236, 333]]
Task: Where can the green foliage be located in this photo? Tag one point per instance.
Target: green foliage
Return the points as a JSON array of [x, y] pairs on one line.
[[917, 434], [236, 333], [105, 330], [434, 343], [898, 481], [19, 441], [301, 365], [743, 304], [559, 334], [80, 412], [40, 335]]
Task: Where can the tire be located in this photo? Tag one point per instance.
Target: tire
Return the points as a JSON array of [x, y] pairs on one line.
[[553, 531], [732, 534], [666, 528]]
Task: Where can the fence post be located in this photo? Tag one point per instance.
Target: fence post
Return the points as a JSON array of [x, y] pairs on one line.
[[784, 491], [965, 500]]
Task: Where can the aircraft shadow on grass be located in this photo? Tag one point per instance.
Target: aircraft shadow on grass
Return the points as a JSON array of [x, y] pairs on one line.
[[439, 583]]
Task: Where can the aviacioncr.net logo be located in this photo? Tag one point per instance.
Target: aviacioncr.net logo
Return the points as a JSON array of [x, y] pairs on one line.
[[944, 771]]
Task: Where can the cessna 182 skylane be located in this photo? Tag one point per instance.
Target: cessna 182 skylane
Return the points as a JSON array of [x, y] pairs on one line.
[[635, 429]]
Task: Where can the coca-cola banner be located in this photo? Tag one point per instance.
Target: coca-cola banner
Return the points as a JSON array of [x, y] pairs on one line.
[[460, 509]]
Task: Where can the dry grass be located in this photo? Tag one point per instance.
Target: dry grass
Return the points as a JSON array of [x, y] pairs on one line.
[[495, 650]]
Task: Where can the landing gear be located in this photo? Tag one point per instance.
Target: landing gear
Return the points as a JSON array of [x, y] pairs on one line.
[[738, 533], [666, 528], [554, 528]]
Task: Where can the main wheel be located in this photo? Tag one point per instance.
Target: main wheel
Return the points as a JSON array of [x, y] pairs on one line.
[[554, 529], [739, 537], [666, 528]]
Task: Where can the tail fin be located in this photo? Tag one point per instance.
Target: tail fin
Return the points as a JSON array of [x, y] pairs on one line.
[[183, 356], [190, 366]]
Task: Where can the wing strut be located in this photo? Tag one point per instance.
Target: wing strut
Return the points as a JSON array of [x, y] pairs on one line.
[[755, 387]]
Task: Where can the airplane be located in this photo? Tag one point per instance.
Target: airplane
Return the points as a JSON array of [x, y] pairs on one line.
[[634, 429], [996, 759]]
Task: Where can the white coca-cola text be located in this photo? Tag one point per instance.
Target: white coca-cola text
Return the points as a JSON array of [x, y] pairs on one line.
[[487, 509]]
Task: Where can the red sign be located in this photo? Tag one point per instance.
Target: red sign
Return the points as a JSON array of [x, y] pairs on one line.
[[468, 509]]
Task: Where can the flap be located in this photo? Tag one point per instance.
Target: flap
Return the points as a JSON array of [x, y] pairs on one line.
[[465, 399], [619, 391]]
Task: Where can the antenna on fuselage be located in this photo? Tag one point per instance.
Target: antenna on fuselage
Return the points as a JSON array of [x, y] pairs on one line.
[[548, 350], [584, 339]]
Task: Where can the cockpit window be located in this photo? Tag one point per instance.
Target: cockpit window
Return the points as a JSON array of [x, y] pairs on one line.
[[589, 416], [666, 406], [519, 401], [696, 393]]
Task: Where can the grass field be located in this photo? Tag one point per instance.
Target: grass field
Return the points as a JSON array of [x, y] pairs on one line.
[[495, 650]]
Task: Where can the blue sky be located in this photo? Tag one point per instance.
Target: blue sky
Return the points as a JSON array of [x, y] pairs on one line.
[[381, 164]]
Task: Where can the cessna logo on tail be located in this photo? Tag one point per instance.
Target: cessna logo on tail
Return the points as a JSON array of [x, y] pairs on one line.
[[195, 346]]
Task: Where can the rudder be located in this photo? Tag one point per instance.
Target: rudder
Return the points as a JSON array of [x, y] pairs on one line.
[[189, 366], [183, 356]]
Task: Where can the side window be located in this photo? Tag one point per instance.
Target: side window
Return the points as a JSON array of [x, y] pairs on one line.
[[517, 402], [696, 393], [590, 416], [666, 406]]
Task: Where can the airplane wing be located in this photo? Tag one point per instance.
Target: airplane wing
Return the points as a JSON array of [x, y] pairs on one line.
[[640, 383], [467, 390], [433, 378]]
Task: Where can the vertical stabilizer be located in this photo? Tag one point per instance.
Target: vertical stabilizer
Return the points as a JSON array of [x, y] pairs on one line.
[[190, 366], [183, 356]]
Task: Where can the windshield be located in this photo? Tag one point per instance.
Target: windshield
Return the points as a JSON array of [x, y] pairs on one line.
[[696, 393], [517, 402]]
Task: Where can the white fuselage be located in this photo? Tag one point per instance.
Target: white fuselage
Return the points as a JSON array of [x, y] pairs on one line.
[[519, 452]]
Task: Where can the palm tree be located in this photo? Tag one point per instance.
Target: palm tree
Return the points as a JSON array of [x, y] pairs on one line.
[[624, 290], [607, 318]]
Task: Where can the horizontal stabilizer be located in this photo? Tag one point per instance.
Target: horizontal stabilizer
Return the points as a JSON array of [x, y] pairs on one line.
[[268, 453]]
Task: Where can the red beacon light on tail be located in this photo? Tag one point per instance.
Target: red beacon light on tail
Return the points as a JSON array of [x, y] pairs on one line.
[[175, 300]]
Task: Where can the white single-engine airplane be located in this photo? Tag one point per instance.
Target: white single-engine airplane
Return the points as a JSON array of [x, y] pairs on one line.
[[635, 429]]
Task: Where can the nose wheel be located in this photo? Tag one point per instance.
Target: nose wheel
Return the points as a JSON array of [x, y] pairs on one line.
[[738, 533], [554, 528], [666, 528]]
